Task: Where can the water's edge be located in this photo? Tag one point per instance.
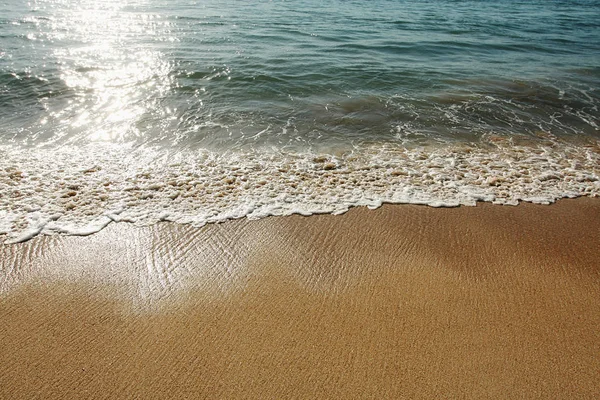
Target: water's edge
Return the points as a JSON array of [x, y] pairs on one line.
[[80, 191]]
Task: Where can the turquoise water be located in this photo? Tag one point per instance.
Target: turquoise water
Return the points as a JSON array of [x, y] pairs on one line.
[[321, 106]]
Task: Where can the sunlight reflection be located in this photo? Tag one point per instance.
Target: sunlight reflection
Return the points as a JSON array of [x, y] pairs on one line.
[[111, 69]]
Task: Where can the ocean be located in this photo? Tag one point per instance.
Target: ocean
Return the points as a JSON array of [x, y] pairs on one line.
[[203, 111]]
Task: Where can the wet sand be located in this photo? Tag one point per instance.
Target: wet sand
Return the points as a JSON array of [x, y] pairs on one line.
[[400, 302]]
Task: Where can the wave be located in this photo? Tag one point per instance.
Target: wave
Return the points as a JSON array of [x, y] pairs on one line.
[[80, 190]]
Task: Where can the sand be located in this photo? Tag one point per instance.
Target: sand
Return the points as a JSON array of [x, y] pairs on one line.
[[400, 302]]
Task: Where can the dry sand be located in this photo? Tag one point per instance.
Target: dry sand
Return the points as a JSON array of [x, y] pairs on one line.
[[400, 302]]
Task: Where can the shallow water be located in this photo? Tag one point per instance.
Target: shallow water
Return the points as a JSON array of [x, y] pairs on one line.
[[280, 107]]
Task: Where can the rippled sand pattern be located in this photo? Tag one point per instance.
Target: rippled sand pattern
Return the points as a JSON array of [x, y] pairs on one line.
[[403, 301]]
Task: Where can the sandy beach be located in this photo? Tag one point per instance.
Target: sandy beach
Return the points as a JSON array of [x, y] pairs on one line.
[[400, 302]]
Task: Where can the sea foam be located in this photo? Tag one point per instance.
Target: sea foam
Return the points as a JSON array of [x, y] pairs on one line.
[[80, 190]]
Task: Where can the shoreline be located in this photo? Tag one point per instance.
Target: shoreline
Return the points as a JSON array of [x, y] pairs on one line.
[[404, 300], [80, 191], [109, 219]]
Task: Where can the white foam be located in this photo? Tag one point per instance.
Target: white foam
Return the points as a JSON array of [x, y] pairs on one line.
[[35, 225], [79, 191]]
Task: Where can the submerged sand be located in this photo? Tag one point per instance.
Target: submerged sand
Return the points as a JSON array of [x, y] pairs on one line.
[[402, 301]]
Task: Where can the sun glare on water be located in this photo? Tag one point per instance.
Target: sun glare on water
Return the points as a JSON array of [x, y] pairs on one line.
[[114, 77]]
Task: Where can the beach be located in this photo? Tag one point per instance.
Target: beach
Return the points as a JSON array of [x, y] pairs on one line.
[[404, 301], [299, 199]]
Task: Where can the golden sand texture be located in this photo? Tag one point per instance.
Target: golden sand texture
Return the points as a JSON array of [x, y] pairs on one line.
[[400, 302]]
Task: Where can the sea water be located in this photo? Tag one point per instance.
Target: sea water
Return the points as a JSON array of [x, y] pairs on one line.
[[202, 111]]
